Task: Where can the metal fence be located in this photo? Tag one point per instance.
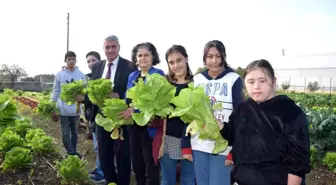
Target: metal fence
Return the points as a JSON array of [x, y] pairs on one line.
[[301, 84]]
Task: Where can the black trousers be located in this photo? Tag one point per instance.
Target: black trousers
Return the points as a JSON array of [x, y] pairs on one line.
[[107, 149], [146, 172]]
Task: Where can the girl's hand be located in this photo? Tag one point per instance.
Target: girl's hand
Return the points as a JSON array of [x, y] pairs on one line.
[[188, 157], [127, 113]]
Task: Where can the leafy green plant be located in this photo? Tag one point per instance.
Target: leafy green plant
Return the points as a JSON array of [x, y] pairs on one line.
[[31, 133], [17, 158], [285, 86], [314, 156], [72, 170], [313, 86], [19, 92], [312, 99], [201, 69], [9, 92], [46, 108], [240, 71], [322, 128], [10, 139], [71, 90], [99, 90], [113, 107], [22, 126], [330, 161], [151, 97], [7, 111], [194, 108], [41, 144], [47, 92]]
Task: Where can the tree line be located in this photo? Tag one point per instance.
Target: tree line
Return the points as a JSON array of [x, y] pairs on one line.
[[14, 72]]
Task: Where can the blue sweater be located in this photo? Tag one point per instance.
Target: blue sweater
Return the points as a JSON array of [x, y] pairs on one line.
[[134, 77], [66, 76]]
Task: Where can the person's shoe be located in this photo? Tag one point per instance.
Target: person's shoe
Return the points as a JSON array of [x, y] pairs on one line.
[[97, 178]]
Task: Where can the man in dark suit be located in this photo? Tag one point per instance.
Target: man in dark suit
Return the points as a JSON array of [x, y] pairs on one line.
[[117, 69]]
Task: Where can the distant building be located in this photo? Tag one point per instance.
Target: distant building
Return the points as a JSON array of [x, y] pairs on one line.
[[301, 70]]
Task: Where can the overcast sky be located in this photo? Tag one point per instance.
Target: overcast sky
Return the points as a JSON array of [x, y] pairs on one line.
[[33, 33]]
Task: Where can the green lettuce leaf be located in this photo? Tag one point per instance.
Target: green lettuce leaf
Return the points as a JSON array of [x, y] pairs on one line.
[[112, 121], [46, 108], [99, 90], [8, 111], [113, 107], [71, 90], [152, 98], [193, 106]]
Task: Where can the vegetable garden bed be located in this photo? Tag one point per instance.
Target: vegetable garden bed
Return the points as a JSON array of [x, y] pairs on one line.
[[41, 170]]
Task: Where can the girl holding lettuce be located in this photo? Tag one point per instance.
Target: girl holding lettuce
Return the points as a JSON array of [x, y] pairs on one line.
[[225, 86], [147, 172], [269, 133], [176, 147]]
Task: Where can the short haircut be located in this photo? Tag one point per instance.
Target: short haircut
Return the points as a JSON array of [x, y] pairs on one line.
[[93, 53], [112, 38], [69, 54]]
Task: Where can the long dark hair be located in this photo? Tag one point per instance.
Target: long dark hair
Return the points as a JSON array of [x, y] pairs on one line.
[[182, 50], [221, 49]]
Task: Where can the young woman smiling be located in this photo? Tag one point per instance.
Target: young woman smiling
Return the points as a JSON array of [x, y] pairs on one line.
[[177, 147], [225, 86], [269, 133]]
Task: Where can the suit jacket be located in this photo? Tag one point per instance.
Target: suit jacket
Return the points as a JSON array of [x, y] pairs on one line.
[[87, 103], [124, 68]]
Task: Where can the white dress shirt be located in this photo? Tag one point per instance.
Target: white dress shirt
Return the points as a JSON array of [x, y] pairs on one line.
[[113, 69]]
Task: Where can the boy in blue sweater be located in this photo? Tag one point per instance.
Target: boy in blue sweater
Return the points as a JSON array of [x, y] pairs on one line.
[[68, 113]]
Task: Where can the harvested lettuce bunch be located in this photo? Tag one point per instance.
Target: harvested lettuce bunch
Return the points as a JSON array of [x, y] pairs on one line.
[[193, 106], [112, 122], [151, 97], [99, 90]]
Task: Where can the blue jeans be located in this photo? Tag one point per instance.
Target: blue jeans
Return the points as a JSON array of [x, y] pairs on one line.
[[99, 171], [210, 169], [69, 126], [168, 169]]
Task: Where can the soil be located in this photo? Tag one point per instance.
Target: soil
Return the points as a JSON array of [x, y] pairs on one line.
[[40, 172], [321, 176]]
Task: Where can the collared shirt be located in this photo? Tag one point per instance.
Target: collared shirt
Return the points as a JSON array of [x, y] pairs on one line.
[[113, 69]]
